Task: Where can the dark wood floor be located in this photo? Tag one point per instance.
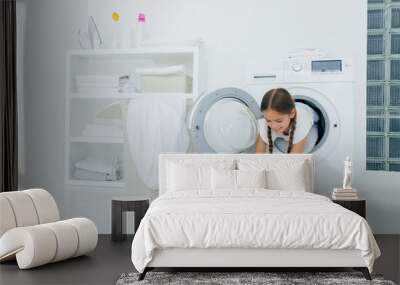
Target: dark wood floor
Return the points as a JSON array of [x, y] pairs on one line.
[[102, 266], [110, 259]]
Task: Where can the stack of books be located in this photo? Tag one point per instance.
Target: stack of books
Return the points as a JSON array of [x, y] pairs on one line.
[[344, 194]]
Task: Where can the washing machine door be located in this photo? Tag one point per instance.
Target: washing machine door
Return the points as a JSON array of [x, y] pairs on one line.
[[224, 121], [329, 126]]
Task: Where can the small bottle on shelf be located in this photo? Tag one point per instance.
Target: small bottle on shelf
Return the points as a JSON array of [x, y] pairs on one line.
[[116, 30], [140, 28]]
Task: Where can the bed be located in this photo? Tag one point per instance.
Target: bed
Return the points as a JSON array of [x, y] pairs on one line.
[[247, 210]]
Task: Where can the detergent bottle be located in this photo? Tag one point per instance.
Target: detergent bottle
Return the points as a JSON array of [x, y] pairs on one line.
[[116, 30], [140, 28]]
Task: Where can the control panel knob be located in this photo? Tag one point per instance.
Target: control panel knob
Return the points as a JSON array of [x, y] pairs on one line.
[[297, 66]]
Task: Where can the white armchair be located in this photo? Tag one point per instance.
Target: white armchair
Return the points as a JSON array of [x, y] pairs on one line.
[[31, 230]]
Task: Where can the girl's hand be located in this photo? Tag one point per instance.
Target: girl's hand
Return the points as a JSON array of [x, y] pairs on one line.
[[298, 147], [260, 145]]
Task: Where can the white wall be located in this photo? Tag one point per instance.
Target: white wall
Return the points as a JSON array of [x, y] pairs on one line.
[[234, 32]]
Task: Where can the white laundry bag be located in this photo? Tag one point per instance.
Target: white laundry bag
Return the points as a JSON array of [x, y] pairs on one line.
[[155, 124]]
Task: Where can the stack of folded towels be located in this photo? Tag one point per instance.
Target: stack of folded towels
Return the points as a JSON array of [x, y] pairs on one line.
[[102, 83], [344, 194], [164, 79], [102, 130], [164, 70], [107, 122], [98, 170]]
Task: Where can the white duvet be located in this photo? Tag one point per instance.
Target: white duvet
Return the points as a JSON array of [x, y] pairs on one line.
[[251, 218]]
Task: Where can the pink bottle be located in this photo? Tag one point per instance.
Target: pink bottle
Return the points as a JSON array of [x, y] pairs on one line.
[[141, 22]]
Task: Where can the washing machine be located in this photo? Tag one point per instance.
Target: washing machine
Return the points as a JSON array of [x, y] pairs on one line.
[[225, 121]]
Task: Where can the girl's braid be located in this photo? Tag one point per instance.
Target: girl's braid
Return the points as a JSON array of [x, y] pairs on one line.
[[291, 133], [270, 144]]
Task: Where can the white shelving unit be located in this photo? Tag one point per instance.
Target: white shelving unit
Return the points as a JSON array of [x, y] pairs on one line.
[[81, 108]]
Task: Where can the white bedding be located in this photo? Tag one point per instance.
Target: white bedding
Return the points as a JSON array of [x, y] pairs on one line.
[[250, 218]]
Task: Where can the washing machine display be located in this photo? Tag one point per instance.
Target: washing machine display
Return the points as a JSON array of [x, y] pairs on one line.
[[225, 121], [326, 66]]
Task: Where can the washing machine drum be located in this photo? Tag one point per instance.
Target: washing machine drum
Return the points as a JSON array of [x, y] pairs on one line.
[[225, 121]]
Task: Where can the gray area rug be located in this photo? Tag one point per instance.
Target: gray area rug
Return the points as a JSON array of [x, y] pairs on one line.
[[269, 278]]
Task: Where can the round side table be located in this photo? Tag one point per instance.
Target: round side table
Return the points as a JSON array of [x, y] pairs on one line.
[[120, 204]]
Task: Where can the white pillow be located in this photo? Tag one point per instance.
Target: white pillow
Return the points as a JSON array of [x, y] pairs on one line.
[[182, 177], [223, 179], [251, 178], [282, 173], [187, 174], [237, 179]]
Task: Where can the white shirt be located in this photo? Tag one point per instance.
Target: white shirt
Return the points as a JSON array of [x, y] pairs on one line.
[[305, 119]]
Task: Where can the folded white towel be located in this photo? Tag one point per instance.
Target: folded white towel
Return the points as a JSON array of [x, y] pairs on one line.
[[97, 166], [98, 84], [106, 81], [129, 87], [173, 69], [109, 122], [97, 90], [126, 87], [99, 78], [99, 130], [83, 174]]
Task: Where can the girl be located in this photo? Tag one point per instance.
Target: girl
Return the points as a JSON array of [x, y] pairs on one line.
[[288, 125]]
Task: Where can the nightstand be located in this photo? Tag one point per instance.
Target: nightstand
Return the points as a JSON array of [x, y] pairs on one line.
[[358, 206], [121, 204]]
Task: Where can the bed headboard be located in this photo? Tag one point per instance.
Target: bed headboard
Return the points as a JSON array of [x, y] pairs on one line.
[[164, 158]]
